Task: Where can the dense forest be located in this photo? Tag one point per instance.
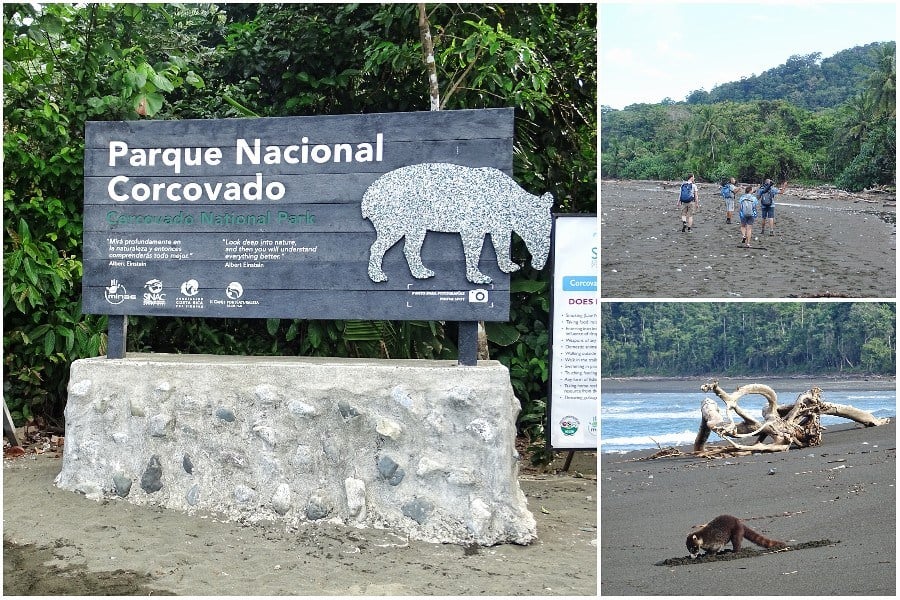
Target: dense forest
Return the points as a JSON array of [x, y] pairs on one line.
[[65, 64], [809, 120], [729, 339]]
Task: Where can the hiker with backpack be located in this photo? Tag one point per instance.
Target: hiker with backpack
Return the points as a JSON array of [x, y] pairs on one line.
[[688, 201], [766, 194], [728, 190], [747, 204]]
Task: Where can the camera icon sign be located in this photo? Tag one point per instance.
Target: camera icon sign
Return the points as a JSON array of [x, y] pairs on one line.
[[479, 295]]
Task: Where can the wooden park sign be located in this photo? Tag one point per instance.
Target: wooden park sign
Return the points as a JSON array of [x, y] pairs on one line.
[[300, 217]]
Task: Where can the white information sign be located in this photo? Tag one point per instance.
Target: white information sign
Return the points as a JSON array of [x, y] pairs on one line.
[[574, 399]]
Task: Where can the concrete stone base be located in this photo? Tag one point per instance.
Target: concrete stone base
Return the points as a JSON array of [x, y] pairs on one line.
[[424, 448]]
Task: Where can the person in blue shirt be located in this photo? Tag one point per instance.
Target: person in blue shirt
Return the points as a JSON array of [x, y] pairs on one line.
[[748, 205], [728, 190], [766, 195]]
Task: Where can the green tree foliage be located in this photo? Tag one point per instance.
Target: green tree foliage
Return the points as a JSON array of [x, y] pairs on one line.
[[783, 125], [65, 64], [731, 339], [807, 81]]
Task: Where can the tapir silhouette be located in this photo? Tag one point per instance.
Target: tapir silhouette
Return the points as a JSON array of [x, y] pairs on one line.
[[409, 201]]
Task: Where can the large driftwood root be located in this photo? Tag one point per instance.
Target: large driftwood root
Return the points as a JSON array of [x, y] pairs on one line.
[[792, 425]]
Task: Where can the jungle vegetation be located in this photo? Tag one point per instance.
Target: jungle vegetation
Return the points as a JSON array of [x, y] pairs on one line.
[[747, 338], [810, 120]]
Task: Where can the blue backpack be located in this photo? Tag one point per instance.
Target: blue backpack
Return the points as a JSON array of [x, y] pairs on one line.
[[726, 191], [747, 206], [766, 196], [687, 192]]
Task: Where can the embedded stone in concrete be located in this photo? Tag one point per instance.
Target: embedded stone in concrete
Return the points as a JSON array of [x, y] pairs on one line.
[[418, 510], [425, 448], [122, 484], [159, 425], [193, 495], [225, 414], [356, 497], [281, 499], [318, 507], [390, 471], [151, 480], [243, 494]]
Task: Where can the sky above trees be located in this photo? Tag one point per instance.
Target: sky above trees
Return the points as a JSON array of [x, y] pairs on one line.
[[650, 51]]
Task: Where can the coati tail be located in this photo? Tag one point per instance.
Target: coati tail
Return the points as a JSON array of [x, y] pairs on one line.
[[761, 540]]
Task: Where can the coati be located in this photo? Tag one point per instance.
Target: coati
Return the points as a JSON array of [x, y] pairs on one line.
[[713, 536]]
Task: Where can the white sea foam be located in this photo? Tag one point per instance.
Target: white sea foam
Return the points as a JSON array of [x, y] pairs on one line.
[[647, 441], [685, 414]]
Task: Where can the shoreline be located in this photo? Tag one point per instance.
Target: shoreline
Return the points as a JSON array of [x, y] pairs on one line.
[[843, 490], [692, 384]]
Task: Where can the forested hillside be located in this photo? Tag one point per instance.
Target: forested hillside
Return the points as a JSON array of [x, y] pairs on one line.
[[808, 81], [722, 339], [769, 126]]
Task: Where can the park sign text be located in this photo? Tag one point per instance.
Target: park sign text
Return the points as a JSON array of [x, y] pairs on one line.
[[265, 217]]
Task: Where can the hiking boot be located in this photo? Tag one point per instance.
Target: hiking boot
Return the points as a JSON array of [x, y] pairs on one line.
[[728, 221], [771, 233], [689, 230], [743, 240], [683, 227]]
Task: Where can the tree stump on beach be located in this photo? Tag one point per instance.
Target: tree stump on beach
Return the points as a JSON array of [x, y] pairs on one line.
[[792, 425]]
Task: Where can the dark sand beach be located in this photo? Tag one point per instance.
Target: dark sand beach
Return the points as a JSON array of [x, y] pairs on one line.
[[842, 491], [57, 542], [827, 244]]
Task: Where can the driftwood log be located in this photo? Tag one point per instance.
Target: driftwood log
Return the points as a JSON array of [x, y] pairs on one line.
[[791, 425]]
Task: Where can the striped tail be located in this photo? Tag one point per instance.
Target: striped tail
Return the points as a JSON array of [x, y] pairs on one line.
[[761, 540]]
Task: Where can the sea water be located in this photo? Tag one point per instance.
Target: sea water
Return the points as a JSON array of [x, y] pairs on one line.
[[640, 420]]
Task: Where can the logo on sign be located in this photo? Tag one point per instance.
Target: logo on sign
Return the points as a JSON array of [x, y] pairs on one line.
[[569, 425], [154, 296], [115, 293], [190, 287], [234, 290]]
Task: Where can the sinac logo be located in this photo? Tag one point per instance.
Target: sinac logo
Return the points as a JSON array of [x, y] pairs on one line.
[[154, 296], [154, 286], [234, 290]]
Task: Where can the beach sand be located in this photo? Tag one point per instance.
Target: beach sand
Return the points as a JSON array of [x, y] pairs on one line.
[[58, 542], [826, 244], [843, 491]]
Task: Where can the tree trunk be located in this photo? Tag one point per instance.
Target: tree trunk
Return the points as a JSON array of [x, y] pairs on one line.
[[428, 49], [434, 91]]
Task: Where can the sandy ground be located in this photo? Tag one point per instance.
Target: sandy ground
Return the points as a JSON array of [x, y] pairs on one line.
[[58, 542], [826, 244], [843, 491]]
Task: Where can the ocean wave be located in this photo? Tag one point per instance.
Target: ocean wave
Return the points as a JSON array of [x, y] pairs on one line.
[[647, 441], [687, 414]]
